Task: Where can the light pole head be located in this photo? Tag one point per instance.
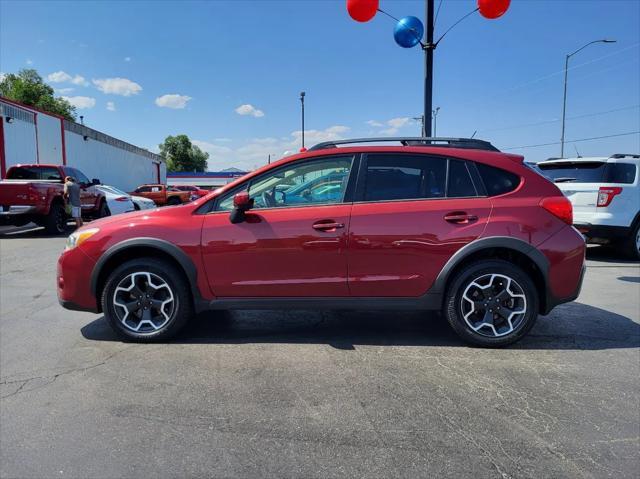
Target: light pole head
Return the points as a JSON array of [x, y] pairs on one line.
[[302, 94], [606, 40]]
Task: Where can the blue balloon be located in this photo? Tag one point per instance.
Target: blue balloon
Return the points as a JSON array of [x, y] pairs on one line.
[[408, 32]]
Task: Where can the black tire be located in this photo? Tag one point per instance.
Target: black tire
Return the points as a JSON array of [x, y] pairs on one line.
[[136, 207], [174, 200], [103, 210], [181, 310], [55, 223], [499, 335], [631, 249]]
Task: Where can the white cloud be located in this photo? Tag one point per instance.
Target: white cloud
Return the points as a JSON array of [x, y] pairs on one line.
[[79, 80], [255, 152], [127, 59], [111, 106], [374, 123], [81, 102], [59, 77], [29, 61], [64, 91], [395, 124], [62, 77], [117, 86], [174, 101], [248, 109]]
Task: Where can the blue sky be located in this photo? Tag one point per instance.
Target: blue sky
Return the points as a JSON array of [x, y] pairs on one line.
[[233, 71]]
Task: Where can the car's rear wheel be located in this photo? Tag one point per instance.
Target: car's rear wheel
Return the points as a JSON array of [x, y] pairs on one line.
[[55, 222], [632, 244], [146, 300], [491, 303]]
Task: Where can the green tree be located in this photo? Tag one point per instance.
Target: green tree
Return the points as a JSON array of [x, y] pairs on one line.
[[28, 87], [182, 155]]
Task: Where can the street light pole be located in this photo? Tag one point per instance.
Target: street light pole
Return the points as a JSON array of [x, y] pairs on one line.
[[428, 69], [302, 103], [564, 99], [435, 120]]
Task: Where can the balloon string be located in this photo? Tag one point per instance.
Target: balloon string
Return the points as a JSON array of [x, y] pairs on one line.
[[388, 14], [451, 27]]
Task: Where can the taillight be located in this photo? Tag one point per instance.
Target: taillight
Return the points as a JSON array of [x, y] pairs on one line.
[[560, 207], [122, 198], [606, 195]]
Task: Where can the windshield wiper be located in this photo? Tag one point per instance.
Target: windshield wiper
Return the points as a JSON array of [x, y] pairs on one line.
[[564, 179]]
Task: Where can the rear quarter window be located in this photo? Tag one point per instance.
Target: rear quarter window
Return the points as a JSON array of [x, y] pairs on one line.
[[620, 173], [497, 181]]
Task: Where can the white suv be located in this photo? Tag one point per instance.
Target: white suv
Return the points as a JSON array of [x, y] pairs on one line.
[[605, 193]]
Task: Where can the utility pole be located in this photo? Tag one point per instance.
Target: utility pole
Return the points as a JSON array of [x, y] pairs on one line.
[[302, 94], [564, 98], [435, 120], [428, 69]]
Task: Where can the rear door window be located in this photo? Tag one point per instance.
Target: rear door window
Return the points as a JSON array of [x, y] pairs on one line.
[[404, 177], [459, 183]]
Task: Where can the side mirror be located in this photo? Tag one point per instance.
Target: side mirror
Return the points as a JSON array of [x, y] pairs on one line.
[[95, 181], [242, 202]]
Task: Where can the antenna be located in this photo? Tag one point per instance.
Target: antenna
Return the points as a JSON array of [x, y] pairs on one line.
[[577, 152]]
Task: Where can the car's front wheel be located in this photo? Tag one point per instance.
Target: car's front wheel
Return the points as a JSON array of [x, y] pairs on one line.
[[146, 300], [491, 303]]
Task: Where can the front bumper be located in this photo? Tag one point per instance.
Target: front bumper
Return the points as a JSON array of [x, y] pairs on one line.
[[73, 280]]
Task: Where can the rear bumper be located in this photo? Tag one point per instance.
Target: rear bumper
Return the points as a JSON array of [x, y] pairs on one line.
[[15, 210], [603, 233], [565, 252]]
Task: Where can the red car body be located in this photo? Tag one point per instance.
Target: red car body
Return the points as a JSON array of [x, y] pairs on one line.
[[29, 192], [355, 254], [194, 190]]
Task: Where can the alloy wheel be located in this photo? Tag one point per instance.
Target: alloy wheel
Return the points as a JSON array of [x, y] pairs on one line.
[[143, 302], [493, 305]]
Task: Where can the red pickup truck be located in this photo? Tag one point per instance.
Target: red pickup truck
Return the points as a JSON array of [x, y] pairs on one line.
[[33, 193]]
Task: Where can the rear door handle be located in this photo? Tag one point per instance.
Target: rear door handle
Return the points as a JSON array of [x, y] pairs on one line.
[[327, 225], [460, 217]]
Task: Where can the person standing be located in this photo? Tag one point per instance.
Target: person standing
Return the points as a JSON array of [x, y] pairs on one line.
[[72, 196]]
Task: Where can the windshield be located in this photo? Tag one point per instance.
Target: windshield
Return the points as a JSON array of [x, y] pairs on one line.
[[589, 172]]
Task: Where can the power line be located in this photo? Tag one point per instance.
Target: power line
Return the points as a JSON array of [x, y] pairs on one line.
[[573, 141], [437, 12], [555, 120]]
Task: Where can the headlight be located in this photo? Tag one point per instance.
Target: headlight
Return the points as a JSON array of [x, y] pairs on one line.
[[77, 238]]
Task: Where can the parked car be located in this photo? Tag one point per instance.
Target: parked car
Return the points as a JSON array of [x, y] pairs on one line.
[[34, 193], [194, 190], [605, 193], [117, 201], [162, 194], [451, 225], [142, 203]]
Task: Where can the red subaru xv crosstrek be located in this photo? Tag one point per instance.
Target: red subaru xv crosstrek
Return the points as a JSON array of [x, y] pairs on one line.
[[451, 225]]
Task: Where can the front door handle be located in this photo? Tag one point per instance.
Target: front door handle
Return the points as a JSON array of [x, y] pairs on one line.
[[327, 225], [460, 217]]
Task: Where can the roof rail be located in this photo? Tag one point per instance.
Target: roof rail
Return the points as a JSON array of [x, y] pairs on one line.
[[624, 155], [469, 143]]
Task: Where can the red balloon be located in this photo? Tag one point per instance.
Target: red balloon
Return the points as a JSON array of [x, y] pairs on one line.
[[493, 8], [362, 10]]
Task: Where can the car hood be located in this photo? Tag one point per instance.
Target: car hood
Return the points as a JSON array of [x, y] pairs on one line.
[[135, 216]]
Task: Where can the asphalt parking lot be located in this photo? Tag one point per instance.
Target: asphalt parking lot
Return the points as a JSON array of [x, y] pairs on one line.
[[315, 394]]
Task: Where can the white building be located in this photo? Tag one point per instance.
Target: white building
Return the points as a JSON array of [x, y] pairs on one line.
[[31, 136]]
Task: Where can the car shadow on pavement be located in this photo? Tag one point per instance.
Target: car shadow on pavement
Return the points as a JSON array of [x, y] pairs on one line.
[[608, 254], [570, 326]]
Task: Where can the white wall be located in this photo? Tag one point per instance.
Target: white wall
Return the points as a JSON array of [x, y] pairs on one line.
[[113, 166], [49, 139], [19, 142]]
